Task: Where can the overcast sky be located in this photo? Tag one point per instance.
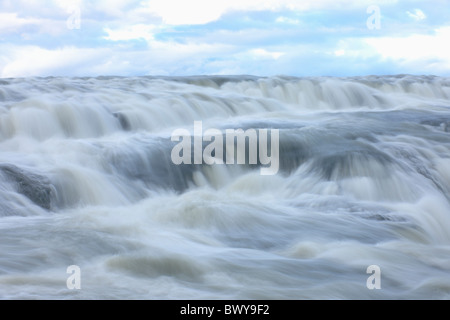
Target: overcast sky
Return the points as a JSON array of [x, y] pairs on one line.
[[194, 37]]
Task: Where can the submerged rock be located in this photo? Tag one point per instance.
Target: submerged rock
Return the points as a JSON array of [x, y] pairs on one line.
[[35, 187], [123, 120]]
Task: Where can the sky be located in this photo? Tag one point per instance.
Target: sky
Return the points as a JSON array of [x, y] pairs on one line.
[[224, 37]]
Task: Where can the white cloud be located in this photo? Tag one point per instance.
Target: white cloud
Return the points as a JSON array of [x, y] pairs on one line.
[[428, 49], [287, 20], [417, 14], [176, 12], [139, 31], [64, 4], [264, 54], [10, 22], [273, 46], [25, 61], [114, 8], [163, 58]]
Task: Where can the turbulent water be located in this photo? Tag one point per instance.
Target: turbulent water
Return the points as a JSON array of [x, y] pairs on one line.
[[86, 179]]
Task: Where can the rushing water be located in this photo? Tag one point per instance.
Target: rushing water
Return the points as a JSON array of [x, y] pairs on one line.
[[86, 179]]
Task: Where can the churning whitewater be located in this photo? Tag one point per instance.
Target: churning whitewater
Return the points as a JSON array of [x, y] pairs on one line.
[[87, 180]]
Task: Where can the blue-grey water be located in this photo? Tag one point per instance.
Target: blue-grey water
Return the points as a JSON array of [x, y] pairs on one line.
[[86, 179]]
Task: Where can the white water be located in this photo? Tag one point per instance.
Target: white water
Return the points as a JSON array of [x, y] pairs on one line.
[[86, 178]]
